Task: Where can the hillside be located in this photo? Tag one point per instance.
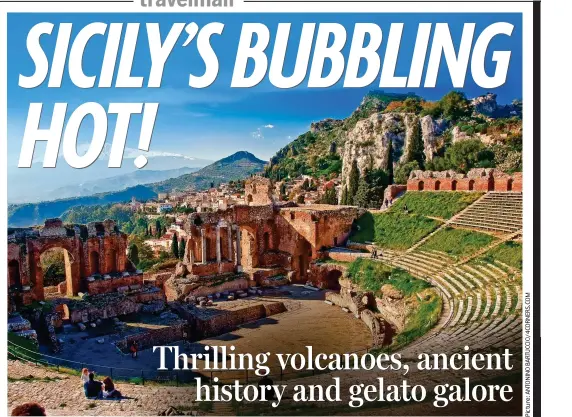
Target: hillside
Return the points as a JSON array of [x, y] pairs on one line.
[[390, 135], [237, 166], [120, 182]]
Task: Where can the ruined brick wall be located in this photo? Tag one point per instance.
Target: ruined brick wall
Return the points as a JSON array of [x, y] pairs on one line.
[[156, 337], [98, 247], [229, 320], [103, 286], [477, 179], [259, 191]]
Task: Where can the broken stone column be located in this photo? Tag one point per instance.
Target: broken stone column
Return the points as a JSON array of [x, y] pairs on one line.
[[229, 231], [218, 254], [238, 248], [203, 246]]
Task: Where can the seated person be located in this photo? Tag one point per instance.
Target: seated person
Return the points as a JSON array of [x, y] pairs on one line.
[[109, 390], [92, 388]]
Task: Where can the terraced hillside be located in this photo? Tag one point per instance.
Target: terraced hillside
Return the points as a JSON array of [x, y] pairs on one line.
[[475, 260]]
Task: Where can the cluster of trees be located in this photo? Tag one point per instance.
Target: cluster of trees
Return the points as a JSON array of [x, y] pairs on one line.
[[365, 190], [177, 248]]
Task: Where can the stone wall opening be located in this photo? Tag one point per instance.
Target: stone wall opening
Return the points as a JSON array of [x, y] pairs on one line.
[[332, 281], [454, 185], [14, 274], [420, 186], [471, 185], [509, 185], [437, 185], [56, 266], [266, 242], [111, 260], [93, 262]]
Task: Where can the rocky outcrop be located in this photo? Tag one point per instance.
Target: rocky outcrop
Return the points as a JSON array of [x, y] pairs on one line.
[[487, 106], [369, 142], [326, 124]]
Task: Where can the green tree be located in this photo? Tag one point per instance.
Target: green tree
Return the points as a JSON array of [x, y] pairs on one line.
[[361, 197], [158, 228], [402, 171], [455, 106], [468, 154], [344, 199], [133, 253], [329, 197], [353, 183], [175, 246], [182, 247], [411, 105]]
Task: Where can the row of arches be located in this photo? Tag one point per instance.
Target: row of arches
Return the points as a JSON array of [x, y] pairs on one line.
[[437, 185]]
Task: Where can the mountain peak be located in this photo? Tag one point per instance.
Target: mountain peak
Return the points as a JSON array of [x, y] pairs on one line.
[[240, 155]]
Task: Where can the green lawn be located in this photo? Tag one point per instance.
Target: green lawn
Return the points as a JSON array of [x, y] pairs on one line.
[[509, 252], [400, 229], [435, 204], [392, 230], [457, 242]]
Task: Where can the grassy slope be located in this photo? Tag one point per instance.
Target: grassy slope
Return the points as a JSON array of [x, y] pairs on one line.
[[508, 252], [457, 242], [437, 203], [399, 230]]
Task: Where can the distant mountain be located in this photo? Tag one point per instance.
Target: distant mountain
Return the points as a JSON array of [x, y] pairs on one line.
[[120, 182], [48, 182], [234, 167], [237, 166]]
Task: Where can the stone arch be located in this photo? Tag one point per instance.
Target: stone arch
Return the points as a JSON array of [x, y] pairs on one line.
[[509, 184], [94, 262], [249, 198], [14, 273], [420, 186], [471, 185], [71, 266], [454, 185], [437, 185]]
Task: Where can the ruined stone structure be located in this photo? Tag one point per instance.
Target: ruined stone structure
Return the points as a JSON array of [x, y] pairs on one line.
[[477, 179], [259, 191], [264, 240], [96, 249]]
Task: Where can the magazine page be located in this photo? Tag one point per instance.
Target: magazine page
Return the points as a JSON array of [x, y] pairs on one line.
[[225, 207]]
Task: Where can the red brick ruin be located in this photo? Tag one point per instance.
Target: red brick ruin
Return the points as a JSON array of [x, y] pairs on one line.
[[477, 179], [97, 248], [264, 240]]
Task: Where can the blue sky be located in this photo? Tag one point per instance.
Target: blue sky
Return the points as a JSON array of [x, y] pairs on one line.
[[214, 122]]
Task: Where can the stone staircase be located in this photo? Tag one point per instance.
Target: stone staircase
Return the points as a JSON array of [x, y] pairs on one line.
[[482, 302], [494, 212]]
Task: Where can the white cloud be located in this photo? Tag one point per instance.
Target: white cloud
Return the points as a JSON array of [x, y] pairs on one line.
[[269, 126]]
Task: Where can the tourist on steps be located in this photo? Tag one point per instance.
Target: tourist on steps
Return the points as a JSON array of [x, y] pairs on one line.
[[84, 376], [92, 388], [109, 390]]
